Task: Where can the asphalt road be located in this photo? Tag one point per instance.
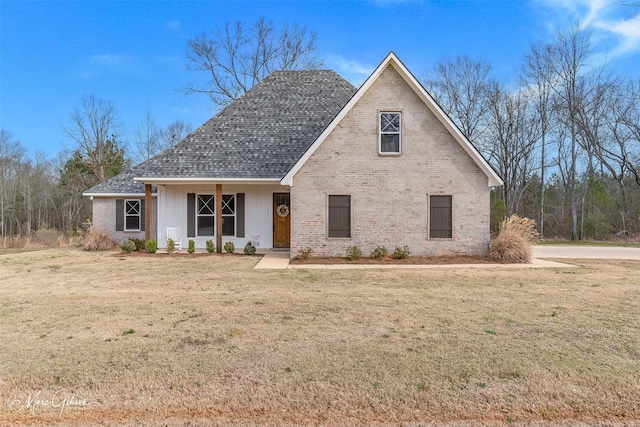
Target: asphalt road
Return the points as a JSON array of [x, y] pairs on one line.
[[600, 252]]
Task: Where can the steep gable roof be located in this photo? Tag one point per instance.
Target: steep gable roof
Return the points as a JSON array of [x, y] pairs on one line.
[[392, 60], [261, 135]]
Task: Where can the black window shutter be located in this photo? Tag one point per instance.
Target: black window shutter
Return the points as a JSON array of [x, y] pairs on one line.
[[441, 223], [191, 214], [141, 214], [339, 216], [119, 214], [240, 215]]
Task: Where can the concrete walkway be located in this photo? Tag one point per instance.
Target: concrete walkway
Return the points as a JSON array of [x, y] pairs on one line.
[[273, 260], [579, 251], [279, 260]]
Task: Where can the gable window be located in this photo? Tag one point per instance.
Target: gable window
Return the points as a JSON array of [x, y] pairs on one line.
[[205, 214], [390, 135], [441, 217], [132, 215], [339, 216]]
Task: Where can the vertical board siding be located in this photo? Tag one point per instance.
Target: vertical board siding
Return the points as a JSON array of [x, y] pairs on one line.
[[254, 221]]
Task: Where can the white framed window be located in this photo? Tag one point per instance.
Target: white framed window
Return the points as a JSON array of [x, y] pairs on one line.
[[132, 215], [206, 217], [390, 132]]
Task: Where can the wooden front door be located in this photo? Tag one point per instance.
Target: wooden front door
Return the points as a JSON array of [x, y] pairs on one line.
[[281, 220]]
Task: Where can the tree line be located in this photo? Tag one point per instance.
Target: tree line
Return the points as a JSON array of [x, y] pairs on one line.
[[564, 135], [39, 193]]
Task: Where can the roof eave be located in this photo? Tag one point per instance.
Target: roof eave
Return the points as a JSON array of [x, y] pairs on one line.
[[204, 180], [117, 194]]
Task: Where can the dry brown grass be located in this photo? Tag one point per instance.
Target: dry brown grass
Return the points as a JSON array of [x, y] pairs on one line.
[[171, 340], [43, 238], [513, 243], [98, 240]]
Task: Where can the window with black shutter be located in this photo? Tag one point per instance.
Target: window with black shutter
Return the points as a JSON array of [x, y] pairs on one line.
[[441, 222], [339, 216]]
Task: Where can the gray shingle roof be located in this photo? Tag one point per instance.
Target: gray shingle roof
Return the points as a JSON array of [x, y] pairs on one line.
[[260, 135], [121, 184]]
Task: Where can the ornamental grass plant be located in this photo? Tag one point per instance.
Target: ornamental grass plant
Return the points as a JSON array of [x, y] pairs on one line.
[[513, 243], [98, 240]]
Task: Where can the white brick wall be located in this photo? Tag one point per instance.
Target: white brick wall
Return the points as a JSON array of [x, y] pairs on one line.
[[104, 218], [390, 194]]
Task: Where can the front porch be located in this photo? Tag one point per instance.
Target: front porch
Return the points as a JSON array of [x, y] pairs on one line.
[[222, 212]]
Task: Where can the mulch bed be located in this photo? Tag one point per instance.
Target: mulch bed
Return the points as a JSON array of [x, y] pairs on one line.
[[412, 260], [164, 253], [428, 260]]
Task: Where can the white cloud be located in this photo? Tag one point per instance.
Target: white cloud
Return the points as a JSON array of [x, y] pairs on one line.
[[352, 70], [627, 31], [615, 26]]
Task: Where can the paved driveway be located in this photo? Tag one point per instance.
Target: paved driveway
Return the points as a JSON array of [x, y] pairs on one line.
[[568, 251]]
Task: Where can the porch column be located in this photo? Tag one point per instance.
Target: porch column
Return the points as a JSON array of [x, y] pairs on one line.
[[219, 218], [148, 213]]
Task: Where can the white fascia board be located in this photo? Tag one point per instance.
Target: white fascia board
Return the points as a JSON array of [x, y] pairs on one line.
[[169, 181], [135, 195], [493, 178], [288, 178]]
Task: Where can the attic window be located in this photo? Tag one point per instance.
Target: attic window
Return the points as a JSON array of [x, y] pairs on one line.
[[390, 133]]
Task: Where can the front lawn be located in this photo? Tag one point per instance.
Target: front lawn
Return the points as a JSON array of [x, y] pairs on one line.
[[210, 341]]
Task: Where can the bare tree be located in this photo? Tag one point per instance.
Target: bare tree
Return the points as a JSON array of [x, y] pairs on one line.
[[11, 153], [568, 57], [174, 133], [238, 56], [536, 73], [95, 128], [146, 139], [461, 87], [514, 131], [607, 127], [149, 139]]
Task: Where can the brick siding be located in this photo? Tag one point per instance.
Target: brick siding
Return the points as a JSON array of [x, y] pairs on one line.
[[390, 194], [104, 218]]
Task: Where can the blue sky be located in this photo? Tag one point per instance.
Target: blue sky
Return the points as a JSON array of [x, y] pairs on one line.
[[133, 52]]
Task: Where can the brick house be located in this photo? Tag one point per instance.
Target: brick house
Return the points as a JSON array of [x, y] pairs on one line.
[[304, 159]]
